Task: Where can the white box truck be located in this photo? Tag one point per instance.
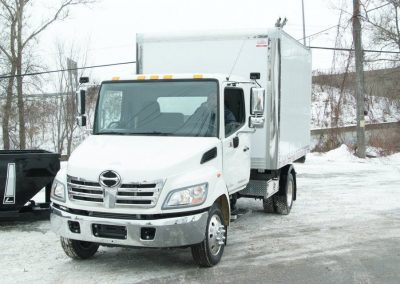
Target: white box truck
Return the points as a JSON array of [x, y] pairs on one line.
[[209, 118]]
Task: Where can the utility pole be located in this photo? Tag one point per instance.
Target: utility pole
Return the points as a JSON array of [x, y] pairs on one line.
[[72, 74], [304, 23], [359, 56]]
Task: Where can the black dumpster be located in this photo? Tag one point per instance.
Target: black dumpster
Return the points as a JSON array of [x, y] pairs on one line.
[[23, 173]]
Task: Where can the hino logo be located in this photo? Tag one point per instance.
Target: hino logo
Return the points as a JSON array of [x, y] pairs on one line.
[[109, 179]]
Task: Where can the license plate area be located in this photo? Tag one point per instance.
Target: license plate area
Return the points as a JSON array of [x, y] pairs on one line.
[[109, 231]]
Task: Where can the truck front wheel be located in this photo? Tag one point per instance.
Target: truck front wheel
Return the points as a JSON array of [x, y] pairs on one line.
[[209, 252], [78, 249]]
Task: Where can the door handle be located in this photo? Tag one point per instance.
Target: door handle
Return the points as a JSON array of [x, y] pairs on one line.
[[245, 149], [235, 142]]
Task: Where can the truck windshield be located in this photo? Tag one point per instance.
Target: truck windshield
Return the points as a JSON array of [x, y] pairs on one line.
[[168, 108]]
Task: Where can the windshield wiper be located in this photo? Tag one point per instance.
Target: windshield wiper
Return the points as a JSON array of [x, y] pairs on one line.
[[155, 133]]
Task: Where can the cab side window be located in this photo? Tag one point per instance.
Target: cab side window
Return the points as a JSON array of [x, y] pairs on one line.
[[234, 110]]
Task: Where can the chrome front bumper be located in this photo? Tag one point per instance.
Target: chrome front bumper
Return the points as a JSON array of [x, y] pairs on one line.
[[169, 232]]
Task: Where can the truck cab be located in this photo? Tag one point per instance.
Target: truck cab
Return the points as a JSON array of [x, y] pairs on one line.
[[166, 153]]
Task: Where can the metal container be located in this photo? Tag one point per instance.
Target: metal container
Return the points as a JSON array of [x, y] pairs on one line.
[[23, 173]]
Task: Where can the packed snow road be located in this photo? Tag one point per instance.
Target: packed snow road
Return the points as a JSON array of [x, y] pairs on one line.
[[344, 228]]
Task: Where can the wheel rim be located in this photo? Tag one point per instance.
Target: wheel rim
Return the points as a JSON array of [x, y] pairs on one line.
[[216, 235], [289, 193]]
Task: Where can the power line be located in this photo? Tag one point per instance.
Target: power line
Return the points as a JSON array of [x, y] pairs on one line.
[[320, 32], [376, 8], [349, 49], [327, 29], [5, 76]]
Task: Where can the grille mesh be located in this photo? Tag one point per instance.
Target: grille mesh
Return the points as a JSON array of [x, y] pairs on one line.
[[126, 195]]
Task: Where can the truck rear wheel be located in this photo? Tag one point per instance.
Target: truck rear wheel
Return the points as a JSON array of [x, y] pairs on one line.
[[78, 249], [209, 252], [269, 205], [284, 198]]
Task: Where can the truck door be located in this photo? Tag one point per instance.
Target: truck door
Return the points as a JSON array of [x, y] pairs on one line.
[[236, 145]]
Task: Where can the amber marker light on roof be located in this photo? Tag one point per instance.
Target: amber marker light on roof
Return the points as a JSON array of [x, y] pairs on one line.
[[167, 77], [198, 76], [115, 78], [141, 77], [154, 77]]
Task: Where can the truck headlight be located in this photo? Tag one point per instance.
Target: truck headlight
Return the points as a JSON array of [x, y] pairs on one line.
[[58, 190], [186, 197]]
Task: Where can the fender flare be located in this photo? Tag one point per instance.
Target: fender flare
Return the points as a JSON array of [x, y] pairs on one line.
[[224, 201]]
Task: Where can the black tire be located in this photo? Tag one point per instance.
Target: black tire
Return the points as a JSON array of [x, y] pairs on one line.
[[202, 253], [269, 205], [78, 249], [284, 198]]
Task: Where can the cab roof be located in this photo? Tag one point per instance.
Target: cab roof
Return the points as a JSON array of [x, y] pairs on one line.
[[198, 76]]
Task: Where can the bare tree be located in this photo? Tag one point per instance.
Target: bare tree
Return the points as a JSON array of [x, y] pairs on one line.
[[382, 22], [17, 35], [64, 109], [9, 22], [382, 25], [336, 93]]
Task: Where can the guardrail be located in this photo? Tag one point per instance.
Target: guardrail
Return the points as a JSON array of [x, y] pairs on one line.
[[353, 128], [349, 133]]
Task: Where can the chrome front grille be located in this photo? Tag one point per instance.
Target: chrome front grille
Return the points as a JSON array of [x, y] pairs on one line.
[[141, 194]]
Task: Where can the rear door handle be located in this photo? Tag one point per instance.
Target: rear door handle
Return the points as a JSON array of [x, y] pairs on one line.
[[245, 149]]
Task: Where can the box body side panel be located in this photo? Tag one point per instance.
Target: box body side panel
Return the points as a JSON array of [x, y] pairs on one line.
[[295, 101], [235, 56]]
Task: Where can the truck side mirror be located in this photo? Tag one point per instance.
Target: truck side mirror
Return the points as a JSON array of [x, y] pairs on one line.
[[257, 99], [257, 102], [80, 102], [257, 122]]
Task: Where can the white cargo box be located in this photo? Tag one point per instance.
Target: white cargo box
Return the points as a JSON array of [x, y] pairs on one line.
[[283, 63]]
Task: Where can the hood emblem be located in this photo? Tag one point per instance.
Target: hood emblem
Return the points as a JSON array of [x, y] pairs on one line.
[[109, 179]]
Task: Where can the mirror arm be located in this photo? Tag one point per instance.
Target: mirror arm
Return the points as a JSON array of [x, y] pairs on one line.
[[253, 130], [81, 120]]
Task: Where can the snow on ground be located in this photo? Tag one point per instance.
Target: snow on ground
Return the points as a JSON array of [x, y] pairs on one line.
[[344, 227], [380, 109], [341, 154]]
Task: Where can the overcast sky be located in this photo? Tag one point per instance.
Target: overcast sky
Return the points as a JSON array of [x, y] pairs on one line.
[[107, 29]]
